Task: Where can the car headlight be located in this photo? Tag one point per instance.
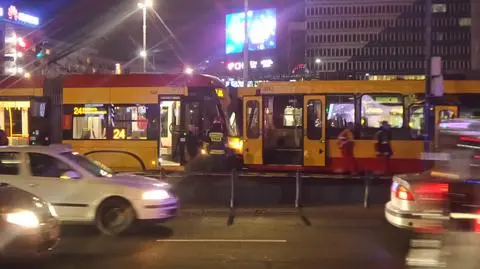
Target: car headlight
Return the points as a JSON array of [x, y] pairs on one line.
[[156, 195], [52, 210], [24, 218]]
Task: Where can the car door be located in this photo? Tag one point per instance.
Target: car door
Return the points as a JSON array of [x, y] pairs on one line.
[[47, 180]]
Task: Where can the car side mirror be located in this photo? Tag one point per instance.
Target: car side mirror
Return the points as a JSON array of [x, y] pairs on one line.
[[71, 175]]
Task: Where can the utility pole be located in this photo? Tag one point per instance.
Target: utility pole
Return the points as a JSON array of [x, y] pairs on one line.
[[246, 63], [428, 73], [144, 11]]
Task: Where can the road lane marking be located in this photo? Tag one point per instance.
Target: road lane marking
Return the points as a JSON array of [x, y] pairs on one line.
[[220, 241]]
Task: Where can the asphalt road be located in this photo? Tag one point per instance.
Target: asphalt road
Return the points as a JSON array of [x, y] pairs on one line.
[[328, 237]]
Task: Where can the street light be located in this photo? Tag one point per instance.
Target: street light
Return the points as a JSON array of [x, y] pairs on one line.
[[143, 6], [188, 70], [318, 60]]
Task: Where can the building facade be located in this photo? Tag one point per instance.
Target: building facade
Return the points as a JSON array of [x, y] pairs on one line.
[[384, 38]]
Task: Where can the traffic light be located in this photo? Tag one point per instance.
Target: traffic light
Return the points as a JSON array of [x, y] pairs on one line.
[[40, 50]]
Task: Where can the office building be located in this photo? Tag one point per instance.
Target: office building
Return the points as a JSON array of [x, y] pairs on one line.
[[386, 38]]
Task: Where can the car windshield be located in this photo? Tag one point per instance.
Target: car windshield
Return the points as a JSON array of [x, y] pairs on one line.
[[94, 167]]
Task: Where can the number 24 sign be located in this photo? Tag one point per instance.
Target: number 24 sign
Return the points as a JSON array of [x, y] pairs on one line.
[[119, 133]]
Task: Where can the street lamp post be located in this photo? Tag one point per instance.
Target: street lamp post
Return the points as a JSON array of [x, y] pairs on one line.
[[144, 5]]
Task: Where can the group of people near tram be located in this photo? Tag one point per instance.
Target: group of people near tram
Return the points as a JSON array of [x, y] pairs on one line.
[[383, 147]]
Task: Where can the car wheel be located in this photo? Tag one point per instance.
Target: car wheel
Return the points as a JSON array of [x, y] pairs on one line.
[[115, 217]]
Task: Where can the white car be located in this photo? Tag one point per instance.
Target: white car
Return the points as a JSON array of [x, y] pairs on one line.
[[417, 201], [84, 191]]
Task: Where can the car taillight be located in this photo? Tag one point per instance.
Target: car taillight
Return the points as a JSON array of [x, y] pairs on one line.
[[476, 224], [437, 191], [403, 193]]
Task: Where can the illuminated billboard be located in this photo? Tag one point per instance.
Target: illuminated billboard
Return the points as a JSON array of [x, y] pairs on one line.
[[13, 14], [262, 26]]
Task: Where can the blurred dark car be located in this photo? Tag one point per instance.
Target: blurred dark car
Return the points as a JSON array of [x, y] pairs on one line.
[[28, 227]]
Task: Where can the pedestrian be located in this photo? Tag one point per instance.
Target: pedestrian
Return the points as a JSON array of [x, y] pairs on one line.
[[383, 146], [346, 143], [3, 138]]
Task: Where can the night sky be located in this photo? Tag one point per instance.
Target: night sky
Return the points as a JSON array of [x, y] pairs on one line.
[[115, 26]]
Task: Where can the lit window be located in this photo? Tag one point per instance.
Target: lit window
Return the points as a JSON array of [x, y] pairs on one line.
[[130, 122], [439, 8], [378, 108], [89, 122], [465, 22]]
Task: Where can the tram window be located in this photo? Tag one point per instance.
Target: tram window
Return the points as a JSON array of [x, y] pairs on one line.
[[283, 122], [89, 122], [341, 110], [130, 122], [192, 119], [253, 121], [378, 108], [232, 125], [283, 111], [416, 121], [211, 113], [314, 119]]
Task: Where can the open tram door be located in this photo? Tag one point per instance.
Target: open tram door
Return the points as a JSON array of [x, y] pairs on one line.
[[443, 112], [314, 146], [169, 130], [252, 126]]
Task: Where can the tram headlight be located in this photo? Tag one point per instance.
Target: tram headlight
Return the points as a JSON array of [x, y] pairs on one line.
[[236, 144]]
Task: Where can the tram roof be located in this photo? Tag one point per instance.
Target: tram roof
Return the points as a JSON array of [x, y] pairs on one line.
[[359, 86], [141, 80], [12, 82]]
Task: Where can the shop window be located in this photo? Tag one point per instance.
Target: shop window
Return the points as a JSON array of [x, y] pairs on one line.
[[89, 122], [379, 108], [130, 122], [253, 119]]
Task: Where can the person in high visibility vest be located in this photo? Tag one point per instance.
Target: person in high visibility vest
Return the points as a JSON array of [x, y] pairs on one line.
[[216, 139]]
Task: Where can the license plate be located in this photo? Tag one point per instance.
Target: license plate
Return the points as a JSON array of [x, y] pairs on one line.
[[433, 156]]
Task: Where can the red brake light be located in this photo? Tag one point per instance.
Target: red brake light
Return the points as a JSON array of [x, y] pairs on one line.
[[403, 193], [469, 139], [432, 188]]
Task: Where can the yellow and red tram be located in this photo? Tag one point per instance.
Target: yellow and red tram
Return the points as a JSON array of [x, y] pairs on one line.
[[291, 126], [127, 122]]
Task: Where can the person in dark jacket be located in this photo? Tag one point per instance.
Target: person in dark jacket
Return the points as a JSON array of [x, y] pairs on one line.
[[383, 145], [3, 138]]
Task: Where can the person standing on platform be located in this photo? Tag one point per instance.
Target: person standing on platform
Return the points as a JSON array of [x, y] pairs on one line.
[[383, 146], [346, 143]]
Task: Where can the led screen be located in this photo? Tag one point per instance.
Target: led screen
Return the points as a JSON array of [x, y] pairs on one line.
[[262, 26]]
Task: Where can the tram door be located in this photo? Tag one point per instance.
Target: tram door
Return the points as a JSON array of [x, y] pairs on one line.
[[169, 130], [443, 113], [252, 130], [314, 146]]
